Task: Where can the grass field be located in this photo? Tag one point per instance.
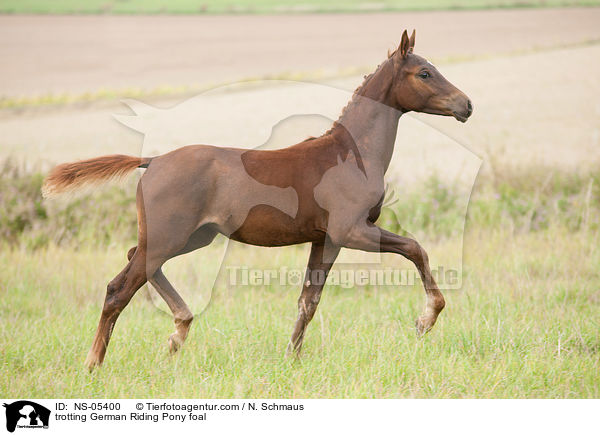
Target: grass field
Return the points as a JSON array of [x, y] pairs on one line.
[[524, 325], [264, 6]]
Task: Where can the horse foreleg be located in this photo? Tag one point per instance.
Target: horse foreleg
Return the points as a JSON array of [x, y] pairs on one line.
[[371, 238], [320, 261]]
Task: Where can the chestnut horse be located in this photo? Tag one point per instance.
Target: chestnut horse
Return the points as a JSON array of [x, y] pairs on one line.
[[326, 191]]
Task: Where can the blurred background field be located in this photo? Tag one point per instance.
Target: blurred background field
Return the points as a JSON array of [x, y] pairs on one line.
[[525, 322], [264, 6], [518, 203]]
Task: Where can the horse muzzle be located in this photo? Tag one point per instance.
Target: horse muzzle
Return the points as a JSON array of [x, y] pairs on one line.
[[463, 110]]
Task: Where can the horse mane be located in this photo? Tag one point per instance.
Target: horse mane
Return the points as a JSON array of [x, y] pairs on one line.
[[357, 92]]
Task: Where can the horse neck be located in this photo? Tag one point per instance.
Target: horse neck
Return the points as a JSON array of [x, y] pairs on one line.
[[370, 119]]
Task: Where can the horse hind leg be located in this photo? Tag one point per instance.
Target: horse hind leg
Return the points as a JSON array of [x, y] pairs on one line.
[[118, 294], [182, 315]]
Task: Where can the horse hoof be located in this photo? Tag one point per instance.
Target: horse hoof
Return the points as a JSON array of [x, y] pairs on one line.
[[421, 328], [174, 343], [91, 363], [292, 354]]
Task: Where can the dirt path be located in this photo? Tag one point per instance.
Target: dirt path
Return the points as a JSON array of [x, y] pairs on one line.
[[76, 54]]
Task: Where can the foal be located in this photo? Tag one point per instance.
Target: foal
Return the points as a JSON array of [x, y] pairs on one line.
[[327, 191]]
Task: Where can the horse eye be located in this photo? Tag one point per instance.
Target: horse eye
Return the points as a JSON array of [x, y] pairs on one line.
[[424, 74]]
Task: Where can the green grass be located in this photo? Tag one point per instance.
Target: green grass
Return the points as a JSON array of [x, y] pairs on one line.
[[262, 6], [525, 325]]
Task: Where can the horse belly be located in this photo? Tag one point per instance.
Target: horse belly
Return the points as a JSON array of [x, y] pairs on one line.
[[268, 226]]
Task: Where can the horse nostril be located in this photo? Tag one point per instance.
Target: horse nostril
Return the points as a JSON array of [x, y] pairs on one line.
[[469, 107]]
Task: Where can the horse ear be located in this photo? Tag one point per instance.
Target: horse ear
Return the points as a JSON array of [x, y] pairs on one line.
[[411, 42], [404, 45]]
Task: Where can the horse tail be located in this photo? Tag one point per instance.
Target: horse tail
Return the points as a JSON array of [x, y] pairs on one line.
[[70, 176]]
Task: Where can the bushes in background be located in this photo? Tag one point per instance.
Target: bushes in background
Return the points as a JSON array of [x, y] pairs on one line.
[[521, 201]]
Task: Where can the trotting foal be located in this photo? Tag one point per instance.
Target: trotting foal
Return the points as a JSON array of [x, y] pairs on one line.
[[326, 191]]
